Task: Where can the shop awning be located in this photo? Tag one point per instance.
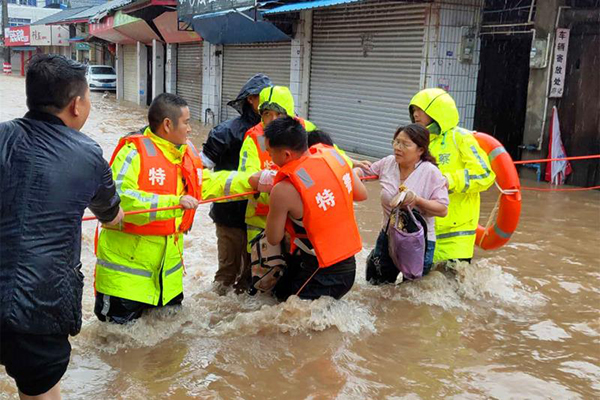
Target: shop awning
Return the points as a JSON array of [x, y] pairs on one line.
[[23, 48], [167, 25], [307, 5], [237, 26], [78, 39], [105, 30], [135, 28]]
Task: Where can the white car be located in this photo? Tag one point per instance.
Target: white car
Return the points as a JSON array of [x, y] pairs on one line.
[[101, 77]]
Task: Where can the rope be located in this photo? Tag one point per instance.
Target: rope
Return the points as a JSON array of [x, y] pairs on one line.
[[561, 189], [494, 212], [556, 159], [308, 280]]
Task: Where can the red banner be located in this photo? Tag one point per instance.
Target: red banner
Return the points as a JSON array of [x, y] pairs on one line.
[[17, 36]]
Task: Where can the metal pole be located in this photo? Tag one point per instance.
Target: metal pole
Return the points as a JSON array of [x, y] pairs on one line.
[[6, 55]]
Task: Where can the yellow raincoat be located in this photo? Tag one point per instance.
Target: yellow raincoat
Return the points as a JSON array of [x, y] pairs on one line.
[[132, 266], [464, 164]]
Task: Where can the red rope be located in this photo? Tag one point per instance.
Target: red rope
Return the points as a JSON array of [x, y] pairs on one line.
[[557, 159], [579, 189]]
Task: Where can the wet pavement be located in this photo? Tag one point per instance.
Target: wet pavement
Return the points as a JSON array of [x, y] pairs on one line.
[[521, 322]]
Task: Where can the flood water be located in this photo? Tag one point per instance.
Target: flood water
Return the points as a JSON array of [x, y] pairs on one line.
[[522, 322]]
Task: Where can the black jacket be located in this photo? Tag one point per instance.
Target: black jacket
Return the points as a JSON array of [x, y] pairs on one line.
[[224, 144], [49, 174]]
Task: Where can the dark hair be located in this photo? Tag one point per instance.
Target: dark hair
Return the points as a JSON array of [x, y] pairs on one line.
[[165, 105], [288, 133], [420, 136], [318, 136], [52, 81]]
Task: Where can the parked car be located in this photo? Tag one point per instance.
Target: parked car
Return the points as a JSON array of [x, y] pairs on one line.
[[101, 77]]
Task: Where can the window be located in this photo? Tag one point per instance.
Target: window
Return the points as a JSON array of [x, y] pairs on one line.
[[24, 2], [18, 21], [102, 71]]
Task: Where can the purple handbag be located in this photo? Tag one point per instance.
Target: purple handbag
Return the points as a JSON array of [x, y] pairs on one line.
[[406, 243]]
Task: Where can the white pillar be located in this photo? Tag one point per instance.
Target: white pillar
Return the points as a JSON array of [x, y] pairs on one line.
[[120, 75], [158, 67], [142, 67], [171, 68], [300, 63], [212, 72]]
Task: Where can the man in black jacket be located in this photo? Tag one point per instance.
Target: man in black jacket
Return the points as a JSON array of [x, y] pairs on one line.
[[49, 173], [222, 152]]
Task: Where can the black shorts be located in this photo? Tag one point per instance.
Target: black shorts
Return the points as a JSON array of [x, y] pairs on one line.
[[35, 362], [334, 281]]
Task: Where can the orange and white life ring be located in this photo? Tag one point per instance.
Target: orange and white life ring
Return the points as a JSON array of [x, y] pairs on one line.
[[497, 233]]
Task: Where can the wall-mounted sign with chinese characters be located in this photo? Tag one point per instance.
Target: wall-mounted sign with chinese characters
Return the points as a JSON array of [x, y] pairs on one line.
[[559, 64], [41, 35]]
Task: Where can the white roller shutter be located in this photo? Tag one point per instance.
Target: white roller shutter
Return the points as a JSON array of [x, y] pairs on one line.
[[189, 76], [130, 74], [240, 62], [366, 66]]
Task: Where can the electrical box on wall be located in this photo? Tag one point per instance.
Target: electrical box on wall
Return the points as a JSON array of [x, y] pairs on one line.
[[466, 47], [538, 57]]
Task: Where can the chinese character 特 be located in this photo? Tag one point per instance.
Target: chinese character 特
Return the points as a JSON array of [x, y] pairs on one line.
[[560, 47], [347, 181], [325, 199], [157, 175]]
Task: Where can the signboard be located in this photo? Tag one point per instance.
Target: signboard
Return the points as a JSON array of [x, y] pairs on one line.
[[60, 36], [82, 46], [199, 7], [559, 64], [41, 35], [17, 36]]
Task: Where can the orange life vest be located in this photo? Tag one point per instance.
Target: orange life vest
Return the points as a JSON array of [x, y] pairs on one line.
[[257, 133], [324, 180], [159, 176]]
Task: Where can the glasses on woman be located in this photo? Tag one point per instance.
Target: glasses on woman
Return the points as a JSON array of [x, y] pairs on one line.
[[401, 144]]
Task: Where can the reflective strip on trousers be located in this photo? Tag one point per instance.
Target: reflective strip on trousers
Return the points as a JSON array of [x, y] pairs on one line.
[[455, 234], [174, 269], [105, 305], [124, 269]]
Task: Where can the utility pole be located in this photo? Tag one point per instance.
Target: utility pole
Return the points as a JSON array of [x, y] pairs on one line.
[[4, 27]]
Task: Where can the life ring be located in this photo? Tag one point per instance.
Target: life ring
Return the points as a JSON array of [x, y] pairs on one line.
[[498, 232]]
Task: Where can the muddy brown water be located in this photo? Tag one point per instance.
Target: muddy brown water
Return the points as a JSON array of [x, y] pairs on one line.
[[522, 322]]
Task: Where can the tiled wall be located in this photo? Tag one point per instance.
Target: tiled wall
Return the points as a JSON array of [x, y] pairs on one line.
[[441, 67]]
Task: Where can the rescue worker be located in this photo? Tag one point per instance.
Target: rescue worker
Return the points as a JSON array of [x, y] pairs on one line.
[[140, 265], [313, 200], [465, 166], [274, 102], [222, 152]]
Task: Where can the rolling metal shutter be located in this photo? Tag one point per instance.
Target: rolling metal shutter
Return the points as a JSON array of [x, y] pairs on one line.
[[240, 62], [130, 73], [189, 76], [365, 68]]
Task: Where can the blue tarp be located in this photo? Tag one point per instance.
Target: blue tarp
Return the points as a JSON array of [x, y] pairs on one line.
[[307, 5], [231, 27]]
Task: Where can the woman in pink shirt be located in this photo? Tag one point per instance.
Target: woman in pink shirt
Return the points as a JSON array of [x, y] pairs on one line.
[[413, 166]]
